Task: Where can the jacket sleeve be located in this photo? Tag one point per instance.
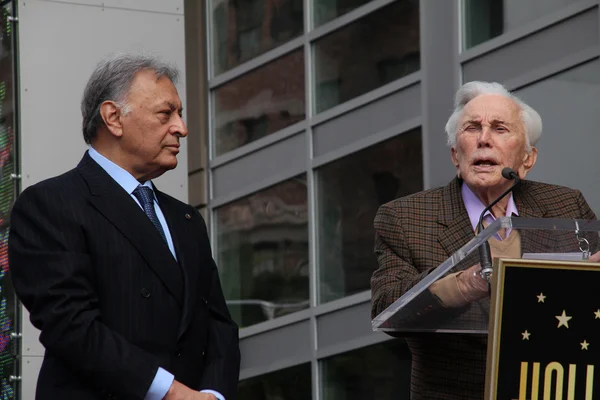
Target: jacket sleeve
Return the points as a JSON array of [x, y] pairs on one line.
[[53, 276], [395, 274]]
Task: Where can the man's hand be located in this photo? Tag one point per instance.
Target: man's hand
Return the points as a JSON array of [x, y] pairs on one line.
[[178, 391], [595, 257], [470, 283]]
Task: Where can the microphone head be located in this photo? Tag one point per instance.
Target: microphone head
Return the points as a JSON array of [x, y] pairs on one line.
[[509, 173]]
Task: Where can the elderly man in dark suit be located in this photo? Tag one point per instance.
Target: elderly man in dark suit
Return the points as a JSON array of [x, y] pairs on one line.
[[489, 130], [117, 275]]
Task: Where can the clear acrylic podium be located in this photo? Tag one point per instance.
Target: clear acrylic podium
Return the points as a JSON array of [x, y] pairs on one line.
[[541, 238]]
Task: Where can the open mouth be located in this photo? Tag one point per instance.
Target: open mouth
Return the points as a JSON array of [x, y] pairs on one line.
[[485, 162]]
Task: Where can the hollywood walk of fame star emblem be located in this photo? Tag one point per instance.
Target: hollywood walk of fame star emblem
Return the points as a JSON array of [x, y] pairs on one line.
[[563, 320], [541, 297]]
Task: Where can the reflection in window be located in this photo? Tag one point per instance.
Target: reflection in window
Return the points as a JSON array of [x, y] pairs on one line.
[[262, 249], [326, 10], [379, 48], [259, 103], [486, 19], [287, 384], [350, 191], [381, 372], [243, 29]]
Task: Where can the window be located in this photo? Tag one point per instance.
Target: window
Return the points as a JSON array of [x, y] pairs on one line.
[[259, 103], [262, 252], [486, 19], [381, 372], [368, 53], [568, 104], [287, 384], [326, 10], [243, 29], [350, 191]]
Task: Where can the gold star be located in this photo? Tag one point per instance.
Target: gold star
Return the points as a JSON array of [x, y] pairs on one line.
[[597, 314], [584, 345], [526, 335], [563, 320], [541, 298]]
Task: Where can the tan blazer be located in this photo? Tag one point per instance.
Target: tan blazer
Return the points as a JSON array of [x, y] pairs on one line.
[[415, 234]]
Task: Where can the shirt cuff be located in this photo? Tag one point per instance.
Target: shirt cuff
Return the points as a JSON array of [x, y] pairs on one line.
[[160, 385], [217, 394]]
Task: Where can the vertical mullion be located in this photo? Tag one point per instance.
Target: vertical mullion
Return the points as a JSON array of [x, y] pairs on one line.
[[210, 212], [311, 193]]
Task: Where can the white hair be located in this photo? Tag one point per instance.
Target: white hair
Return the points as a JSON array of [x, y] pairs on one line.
[[530, 118]]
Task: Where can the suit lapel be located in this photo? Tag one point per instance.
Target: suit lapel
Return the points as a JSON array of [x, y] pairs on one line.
[[186, 248], [453, 215], [120, 209]]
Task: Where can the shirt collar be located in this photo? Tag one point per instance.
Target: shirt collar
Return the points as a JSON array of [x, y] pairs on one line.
[[475, 207], [121, 176]]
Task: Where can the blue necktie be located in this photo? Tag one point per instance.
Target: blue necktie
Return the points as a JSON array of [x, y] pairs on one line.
[[145, 195]]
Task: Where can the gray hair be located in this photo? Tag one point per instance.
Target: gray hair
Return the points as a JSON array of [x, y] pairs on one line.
[[530, 118], [111, 80]]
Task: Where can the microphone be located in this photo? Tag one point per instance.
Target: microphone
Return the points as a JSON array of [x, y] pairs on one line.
[[485, 255]]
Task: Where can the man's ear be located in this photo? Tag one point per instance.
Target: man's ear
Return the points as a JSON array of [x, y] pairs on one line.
[[111, 115], [529, 160], [455, 161]]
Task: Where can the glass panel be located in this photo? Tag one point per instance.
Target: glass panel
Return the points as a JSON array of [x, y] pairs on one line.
[[381, 372], [262, 252], [350, 191], [367, 54], [260, 102], [326, 10], [486, 19], [243, 29], [287, 384], [7, 195]]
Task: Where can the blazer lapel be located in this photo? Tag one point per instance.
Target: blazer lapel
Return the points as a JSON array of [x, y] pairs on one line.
[[120, 209], [186, 247], [453, 215]]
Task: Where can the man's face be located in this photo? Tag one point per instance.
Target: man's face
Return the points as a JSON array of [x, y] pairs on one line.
[[152, 127], [491, 136]]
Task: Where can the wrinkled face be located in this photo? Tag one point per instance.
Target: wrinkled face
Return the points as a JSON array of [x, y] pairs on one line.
[[152, 127], [491, 136]]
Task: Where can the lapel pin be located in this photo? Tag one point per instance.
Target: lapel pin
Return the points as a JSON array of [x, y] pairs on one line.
[[188, 216]]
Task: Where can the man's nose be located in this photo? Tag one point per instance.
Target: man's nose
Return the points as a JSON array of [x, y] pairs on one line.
[[485, 137], [180, 129]]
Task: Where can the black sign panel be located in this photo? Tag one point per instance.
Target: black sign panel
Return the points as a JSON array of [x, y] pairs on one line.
[[547, 331]]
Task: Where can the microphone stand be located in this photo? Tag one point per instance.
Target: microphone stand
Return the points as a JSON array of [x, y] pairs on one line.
[[485, 254]]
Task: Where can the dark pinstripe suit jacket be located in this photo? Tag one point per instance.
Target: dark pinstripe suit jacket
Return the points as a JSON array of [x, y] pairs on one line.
[[110, 300], [415, 234]]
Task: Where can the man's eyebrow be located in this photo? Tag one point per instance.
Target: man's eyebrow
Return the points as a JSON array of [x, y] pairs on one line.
[[494, 121], [172, 106], [500, 121], [471, 121]]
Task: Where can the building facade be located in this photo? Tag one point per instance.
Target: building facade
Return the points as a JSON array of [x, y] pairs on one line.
[[310, 114]]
